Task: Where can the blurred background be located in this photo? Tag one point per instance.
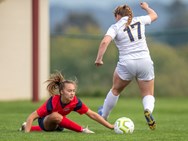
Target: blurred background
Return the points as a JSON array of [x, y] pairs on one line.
[[77, 27], [40, 36]]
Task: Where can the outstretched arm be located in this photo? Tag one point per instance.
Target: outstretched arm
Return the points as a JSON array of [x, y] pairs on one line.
[[153, 15], [93, 115], [102, 49]]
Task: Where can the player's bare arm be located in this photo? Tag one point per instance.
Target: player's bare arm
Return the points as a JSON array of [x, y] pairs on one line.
[[30, 120], [102, 49], [153, 15], [93, 115]]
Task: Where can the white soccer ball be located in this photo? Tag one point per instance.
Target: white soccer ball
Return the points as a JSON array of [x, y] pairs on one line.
[[124, 125]]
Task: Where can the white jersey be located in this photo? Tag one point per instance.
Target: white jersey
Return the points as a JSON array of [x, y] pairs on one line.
[[131, 42]]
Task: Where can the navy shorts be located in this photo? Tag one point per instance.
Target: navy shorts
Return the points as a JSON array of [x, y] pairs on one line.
[[41, 123]]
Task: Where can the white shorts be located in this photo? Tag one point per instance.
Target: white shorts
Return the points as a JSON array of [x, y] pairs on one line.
[[142, 69]]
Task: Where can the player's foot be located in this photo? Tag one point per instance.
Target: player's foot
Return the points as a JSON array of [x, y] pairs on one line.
[[22, 128], [87, 131], [150, 120], [100, 110]]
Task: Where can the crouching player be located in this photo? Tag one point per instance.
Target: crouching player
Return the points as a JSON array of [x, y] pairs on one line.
[[52, 114]]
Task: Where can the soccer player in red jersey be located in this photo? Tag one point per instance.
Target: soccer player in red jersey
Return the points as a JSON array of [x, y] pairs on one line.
[[52, 114]]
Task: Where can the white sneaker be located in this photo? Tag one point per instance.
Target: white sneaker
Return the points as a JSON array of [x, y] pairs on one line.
[[87, 131], [22, 128]]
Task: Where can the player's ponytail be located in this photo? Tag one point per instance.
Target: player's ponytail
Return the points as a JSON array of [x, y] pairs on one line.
[[123, 11], [57, 82], [54, 82], [129, 13]]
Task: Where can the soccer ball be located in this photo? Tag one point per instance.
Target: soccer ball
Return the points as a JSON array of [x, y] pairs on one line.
[[123, 125]]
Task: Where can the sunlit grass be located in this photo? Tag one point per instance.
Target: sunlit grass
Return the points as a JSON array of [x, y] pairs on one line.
[[171, 115]]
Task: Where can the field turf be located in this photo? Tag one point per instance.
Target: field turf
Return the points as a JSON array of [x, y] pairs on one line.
[[171, 115]]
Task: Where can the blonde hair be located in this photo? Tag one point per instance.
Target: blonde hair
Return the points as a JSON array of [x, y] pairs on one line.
[[124, 10], [57, 82]]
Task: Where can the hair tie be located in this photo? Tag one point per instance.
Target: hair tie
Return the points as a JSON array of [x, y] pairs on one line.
[[124, 6]]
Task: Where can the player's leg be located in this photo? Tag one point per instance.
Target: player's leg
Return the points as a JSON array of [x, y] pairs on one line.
[[145, 79], [35, 128], [55, 121], [71, 125], [146, 88], [147, 93], [67, 123], [50, 122], [113, 94]]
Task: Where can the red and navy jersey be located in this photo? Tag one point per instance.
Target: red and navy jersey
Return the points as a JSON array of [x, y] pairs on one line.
[[54, 104]]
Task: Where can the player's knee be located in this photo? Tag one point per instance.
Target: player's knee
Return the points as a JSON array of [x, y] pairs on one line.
[[115, 91], [56, 117]]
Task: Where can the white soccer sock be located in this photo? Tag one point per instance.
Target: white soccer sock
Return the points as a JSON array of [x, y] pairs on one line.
[[148, 102], [109, 103]]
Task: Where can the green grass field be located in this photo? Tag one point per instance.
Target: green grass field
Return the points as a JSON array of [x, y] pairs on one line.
[[171, 115]]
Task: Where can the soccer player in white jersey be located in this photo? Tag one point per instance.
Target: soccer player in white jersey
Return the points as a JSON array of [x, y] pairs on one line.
[[128, 33]]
